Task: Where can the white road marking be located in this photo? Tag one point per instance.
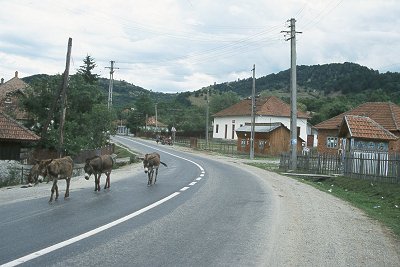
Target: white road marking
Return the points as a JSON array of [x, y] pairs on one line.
[[87, 234], [106, 226], [198, 179]]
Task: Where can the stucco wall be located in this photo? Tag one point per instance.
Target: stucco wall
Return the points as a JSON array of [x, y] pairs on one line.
[[238, 121]]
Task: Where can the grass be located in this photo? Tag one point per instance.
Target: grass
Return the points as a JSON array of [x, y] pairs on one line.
[[380, 201], [123, 152]]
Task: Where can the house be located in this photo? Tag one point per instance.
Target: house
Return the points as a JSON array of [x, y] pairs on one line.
[[363, 134], [269, 139], [14, 138], [267, 110], [154, 125], [386, 114], [10, 94]]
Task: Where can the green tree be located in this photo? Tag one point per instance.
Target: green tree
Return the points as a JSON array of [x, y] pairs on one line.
[[88, 122], [222, 101], [86, 70]]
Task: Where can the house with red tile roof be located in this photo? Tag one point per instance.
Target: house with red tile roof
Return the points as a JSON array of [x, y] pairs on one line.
[[10, 94], [267, 110], [13, 138], [363, 134], [385, 114]]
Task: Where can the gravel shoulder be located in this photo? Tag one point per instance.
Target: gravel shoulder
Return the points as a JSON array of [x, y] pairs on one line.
[[314, 228], [311, 227]]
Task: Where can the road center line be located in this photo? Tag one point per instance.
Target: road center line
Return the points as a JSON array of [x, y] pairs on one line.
[[87, 234]]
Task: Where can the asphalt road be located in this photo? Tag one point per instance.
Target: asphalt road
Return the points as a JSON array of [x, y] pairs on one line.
[[201, 212]]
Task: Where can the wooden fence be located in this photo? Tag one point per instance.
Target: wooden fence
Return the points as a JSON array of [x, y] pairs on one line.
[[382, 167], [224, 147]]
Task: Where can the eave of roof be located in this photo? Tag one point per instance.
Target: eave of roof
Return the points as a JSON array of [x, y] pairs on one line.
[[270, 106], [387, 114], [11, 130], [364, 128]]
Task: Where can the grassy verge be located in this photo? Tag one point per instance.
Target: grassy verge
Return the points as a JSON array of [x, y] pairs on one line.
[[123, 152], [380, 201]]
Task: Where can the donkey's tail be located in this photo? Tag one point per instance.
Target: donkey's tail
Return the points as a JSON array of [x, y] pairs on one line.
[[163, 164]]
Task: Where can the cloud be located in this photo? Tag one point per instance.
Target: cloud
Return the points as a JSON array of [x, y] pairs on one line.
[[175, 46]]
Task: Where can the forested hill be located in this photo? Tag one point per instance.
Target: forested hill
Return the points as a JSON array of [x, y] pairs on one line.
[[328, 79]]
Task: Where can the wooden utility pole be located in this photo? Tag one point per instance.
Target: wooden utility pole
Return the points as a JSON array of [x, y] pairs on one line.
[[64, 98], [253, 110], [293, 94]]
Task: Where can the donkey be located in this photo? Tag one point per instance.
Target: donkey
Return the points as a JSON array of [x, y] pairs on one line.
[[57, 169], [98, 165], [33, 176], [151, 162]]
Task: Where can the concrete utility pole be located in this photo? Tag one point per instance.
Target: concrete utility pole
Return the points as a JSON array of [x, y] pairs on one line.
[[207, 113], [110, 87], [63, 99], [156, 119], [253, 111], [293, 94]]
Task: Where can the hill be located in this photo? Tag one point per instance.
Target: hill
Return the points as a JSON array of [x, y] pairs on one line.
[[327, 80], [323, 90]]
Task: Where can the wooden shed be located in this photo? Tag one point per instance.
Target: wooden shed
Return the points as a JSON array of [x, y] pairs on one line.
[[269, 139]]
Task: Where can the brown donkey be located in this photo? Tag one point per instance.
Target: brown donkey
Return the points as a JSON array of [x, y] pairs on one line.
[[98, 165], [57, 169], [151, 162]]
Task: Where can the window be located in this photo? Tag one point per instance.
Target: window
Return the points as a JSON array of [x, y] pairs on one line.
[[243, 143], [216, 128], [261, 144], [233, 131], [332, 142], [226, 131]]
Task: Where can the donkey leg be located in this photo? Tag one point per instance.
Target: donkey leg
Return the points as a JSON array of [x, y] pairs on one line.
[[52, 191], [95, 182], [56, 191], [155, 178], [107, 185], [68, 180], [98, 183]]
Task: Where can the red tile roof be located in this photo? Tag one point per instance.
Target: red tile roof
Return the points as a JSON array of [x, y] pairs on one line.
[[365, 128], [387, 114], [10, 130], [270, 106]]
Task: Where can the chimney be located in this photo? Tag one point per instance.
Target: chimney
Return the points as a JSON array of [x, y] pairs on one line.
[[16, 74]]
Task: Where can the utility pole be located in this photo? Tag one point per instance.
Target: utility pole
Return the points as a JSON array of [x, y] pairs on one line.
[[63, 99], [253, 107], [207, 113], [156, 119], [110, 87], [293, 94]]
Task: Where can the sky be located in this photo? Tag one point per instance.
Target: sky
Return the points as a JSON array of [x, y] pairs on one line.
[[175, 46]]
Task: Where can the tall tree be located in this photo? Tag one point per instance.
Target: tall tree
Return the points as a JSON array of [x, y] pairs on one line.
[[88, 123], [86, 70]]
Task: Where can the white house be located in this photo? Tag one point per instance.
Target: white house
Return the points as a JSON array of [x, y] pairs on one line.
[[268, 110]]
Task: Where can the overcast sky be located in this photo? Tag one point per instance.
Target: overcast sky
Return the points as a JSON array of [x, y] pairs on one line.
[[183, 45]]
